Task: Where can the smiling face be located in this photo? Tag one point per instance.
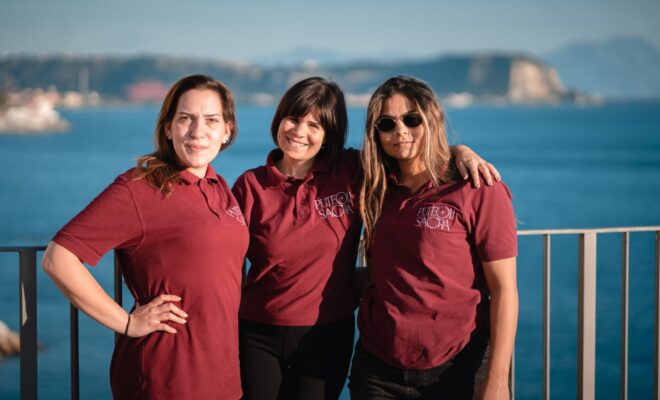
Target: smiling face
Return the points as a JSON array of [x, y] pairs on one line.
[[402, 143], [198, 129], [300, 139]]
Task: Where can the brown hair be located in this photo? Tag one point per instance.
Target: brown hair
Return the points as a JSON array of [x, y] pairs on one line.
[[162, 168], [378, 165], [325, 100]]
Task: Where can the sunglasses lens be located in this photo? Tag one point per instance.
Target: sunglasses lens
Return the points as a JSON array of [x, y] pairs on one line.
[[385, 124], [412, 120]]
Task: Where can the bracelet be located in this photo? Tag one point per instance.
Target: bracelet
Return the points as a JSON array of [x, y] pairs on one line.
[[128, 323]]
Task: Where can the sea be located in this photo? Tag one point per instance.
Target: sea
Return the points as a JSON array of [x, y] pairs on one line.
[[567, 167]]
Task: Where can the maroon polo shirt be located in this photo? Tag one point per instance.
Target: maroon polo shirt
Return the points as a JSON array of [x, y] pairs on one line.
[[430, 295], [304, 236], [191, 244]]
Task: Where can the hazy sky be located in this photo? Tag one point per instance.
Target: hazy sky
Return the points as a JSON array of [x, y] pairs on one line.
[[245, 30]]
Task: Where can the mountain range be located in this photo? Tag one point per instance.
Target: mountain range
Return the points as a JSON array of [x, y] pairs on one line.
[[501, 78], [616, 67], [623, 67], [619, 67]]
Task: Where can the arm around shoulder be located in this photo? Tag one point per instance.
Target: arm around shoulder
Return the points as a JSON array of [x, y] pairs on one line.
[[471, 165]]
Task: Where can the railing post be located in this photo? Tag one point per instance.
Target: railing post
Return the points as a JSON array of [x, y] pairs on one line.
[[587, 316], [656, 358], [546, 317], [625, 275], [75, 358], [28, 314]]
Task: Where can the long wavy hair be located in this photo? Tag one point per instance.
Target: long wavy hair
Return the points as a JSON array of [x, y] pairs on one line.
[[378, 166], [162, 168], [325, 100]]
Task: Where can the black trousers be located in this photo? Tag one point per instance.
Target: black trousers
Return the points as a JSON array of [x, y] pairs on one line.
[[295, 362], [374, 379]]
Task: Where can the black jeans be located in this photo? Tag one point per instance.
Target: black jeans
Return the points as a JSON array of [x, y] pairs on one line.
[[295, 362], [374, 379]]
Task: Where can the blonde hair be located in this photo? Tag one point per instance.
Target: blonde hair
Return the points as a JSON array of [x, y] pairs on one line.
[[378, 166]]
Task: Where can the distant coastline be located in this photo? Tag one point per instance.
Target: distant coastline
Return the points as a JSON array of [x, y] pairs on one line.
[[460, 80]]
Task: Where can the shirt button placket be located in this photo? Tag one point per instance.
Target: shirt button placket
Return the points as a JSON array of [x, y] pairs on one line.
[[302, 203], [210, 196]]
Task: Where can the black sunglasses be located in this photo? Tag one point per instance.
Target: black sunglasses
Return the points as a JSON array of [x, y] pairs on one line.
[[387, 124]]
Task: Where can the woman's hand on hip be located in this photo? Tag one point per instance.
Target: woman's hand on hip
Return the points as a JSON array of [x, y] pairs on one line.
[[152, 317]]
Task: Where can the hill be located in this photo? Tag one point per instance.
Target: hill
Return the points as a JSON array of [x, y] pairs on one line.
[[482, 77], [623, 67]]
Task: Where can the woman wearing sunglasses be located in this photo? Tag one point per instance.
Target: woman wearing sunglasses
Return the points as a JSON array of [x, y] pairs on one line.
[[442, 256], [181, 241], [296, 314]]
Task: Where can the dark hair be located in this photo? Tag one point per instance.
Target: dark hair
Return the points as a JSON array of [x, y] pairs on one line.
[[161, 168], [325, 100]]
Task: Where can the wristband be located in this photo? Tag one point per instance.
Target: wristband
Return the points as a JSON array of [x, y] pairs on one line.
[[128, 323]]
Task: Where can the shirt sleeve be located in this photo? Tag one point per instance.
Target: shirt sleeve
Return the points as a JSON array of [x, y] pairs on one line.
[[110, 221], [495, 234], [243, 194]]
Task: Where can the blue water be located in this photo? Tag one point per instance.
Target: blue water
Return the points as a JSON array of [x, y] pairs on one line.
[[566, 166]]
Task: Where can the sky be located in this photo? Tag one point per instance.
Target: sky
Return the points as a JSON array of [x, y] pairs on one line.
[[250, 30]]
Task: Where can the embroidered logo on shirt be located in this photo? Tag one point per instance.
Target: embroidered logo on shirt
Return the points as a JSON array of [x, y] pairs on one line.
[[436, 216], [235, 212], [335, 206]]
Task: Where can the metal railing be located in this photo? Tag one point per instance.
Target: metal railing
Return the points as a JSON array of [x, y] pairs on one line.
[[27, 309], [586, 364], [27, 264]]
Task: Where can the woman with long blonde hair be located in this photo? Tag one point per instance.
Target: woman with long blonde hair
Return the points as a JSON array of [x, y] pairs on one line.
[[442, 257]]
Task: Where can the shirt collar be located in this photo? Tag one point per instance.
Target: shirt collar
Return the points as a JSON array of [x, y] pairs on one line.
[[189, 178], [276, 178], [394, 180]]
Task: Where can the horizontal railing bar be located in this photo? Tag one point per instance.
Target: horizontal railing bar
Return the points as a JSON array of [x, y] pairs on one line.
[[14, 249], [594, 230], [523, 232]]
